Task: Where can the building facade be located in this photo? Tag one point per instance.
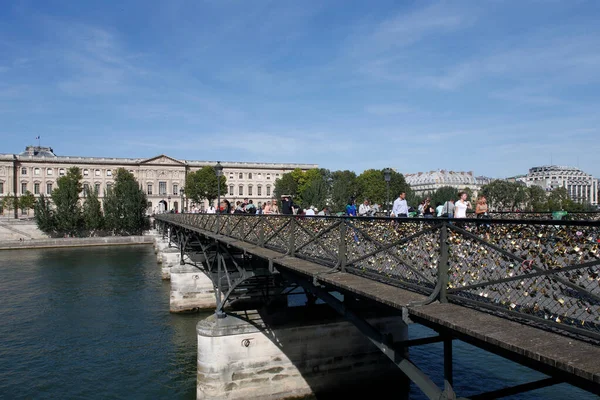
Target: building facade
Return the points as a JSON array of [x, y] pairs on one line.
[[582, 187], [162, 177], [423, 183]]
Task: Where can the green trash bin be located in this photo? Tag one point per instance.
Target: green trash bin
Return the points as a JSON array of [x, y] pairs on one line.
[[558, 215]]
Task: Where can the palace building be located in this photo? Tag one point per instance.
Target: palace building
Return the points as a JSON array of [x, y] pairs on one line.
[[423, 183], [162, 177], [582, 187]]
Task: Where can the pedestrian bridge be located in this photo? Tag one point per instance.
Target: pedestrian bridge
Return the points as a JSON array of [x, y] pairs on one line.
[[528, 290]]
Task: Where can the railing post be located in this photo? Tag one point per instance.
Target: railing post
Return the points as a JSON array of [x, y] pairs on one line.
[[342, 247], [443, 264], [261, 236], [292, 238]]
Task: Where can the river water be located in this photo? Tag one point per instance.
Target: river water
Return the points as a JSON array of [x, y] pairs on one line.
[[94, 323]]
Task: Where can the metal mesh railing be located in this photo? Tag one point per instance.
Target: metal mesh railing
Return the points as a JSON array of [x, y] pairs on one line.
[[545, 271]]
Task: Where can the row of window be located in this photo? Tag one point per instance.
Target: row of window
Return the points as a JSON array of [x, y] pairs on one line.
[[250, 175], [162, 189], [62, 172], [241, 190]]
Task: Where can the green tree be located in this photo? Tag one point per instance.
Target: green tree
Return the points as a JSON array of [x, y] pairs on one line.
[[10, 202], [26, 202], [44, 216], [203, 185], [371, 185], [501, 195], [398, 185], [537, 199], [92, 213], [343, 186], [443, 194], [66, 200], [125, 205], [316, 193], [288, 185]]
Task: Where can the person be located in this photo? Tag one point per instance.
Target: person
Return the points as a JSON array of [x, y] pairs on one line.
[[439, 209], [286, 205], [448, 209], [267, 208], [211, 209], [309, 211], [274, 207], [481, 209], [365, 209], [400, 207], [351, 207], [250, 208], [225, 207], [324, 211], [461, 206], [239, 208], [427, 208]]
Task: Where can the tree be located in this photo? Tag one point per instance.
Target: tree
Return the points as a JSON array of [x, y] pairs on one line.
[[203, 185], [125, 205], [92, 213], [500, 194], [10, 202], [371, 185], [343, 186], [44, 216], [26, 202], [316, 193], [66, 200], [443, 194], [537, 199], [287, 184]]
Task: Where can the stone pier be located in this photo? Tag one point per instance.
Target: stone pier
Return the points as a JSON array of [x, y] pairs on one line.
[[191, 289], [250, 355]]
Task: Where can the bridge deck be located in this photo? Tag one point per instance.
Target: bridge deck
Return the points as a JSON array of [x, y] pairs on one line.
[[543, 350]]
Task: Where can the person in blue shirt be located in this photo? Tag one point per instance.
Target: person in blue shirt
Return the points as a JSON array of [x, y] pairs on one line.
[[351, 207]]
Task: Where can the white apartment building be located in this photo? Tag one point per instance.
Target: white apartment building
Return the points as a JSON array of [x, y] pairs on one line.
[[423, 183], [582, 187], [162, 177]]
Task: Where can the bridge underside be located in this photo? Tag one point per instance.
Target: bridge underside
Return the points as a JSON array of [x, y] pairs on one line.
[[244, 272]]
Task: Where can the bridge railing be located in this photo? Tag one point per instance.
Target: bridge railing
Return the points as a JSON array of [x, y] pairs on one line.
[[544, 271]]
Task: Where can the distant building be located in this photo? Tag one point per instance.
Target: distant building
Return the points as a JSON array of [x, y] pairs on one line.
[[423, 183], [162, 177], [582, 187]]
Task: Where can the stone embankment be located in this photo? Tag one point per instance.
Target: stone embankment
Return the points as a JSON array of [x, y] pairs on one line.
[[74, 242]]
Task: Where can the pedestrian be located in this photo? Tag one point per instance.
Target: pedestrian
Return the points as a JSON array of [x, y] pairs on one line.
[[400, 207], [351, 207], [481, 209], [461, 206]]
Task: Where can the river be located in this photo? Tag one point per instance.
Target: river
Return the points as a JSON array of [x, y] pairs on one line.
[[94, 323]]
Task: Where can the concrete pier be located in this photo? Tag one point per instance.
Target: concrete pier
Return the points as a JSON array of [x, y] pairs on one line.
[[249, 355], [191, 290]]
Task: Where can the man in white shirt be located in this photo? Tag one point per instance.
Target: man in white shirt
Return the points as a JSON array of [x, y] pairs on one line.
[[211, 210], [309, 211], [400, 208], [365, 209]]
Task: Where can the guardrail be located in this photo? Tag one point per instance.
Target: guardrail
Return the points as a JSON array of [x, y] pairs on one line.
[[544, 271]]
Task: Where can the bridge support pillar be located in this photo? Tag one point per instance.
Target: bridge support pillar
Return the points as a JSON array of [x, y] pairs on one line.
[[191, 289], [251, 355]]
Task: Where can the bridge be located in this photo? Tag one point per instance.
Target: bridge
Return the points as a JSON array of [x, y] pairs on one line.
[[526, 289]]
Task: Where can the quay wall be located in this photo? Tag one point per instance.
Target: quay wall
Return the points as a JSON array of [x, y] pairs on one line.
[[75, 242]]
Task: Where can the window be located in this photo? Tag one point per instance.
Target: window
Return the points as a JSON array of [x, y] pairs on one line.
[[86, 172], [149, 188], [23, 187], [231, 175], [241, 176], [1, 187], [36, 171], [61, 172], [86, 189], [249, 175], [108, 187], [162, 187], [108, 172], [231, 190], [276, 174], [36, 188], [249, 190], [23, 171], [48, 188], [97, 188], [259, 190], [241, 190], [49, 171], [268, 176], [268, 190], [97, 172], [175, 189]]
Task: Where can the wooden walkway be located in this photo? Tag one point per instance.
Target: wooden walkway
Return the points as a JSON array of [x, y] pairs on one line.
[[551, 353]]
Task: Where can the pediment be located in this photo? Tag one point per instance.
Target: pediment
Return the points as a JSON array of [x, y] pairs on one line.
[[162, 160]]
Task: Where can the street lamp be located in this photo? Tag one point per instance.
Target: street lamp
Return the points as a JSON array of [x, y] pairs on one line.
[[387, 175], [169, 207], [181, 194], [219, 172]]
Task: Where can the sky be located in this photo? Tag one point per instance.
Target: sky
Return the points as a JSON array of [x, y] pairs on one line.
[[490, 86]]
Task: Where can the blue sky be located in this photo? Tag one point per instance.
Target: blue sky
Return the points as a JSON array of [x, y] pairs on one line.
[[495, 87]]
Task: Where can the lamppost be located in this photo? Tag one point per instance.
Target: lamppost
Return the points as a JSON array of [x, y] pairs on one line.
[[219, 172], [181, 194], [169, 207], [387, 175]]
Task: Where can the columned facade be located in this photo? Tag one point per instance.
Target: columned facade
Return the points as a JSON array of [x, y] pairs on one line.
[[581, 187], [162, 178]]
